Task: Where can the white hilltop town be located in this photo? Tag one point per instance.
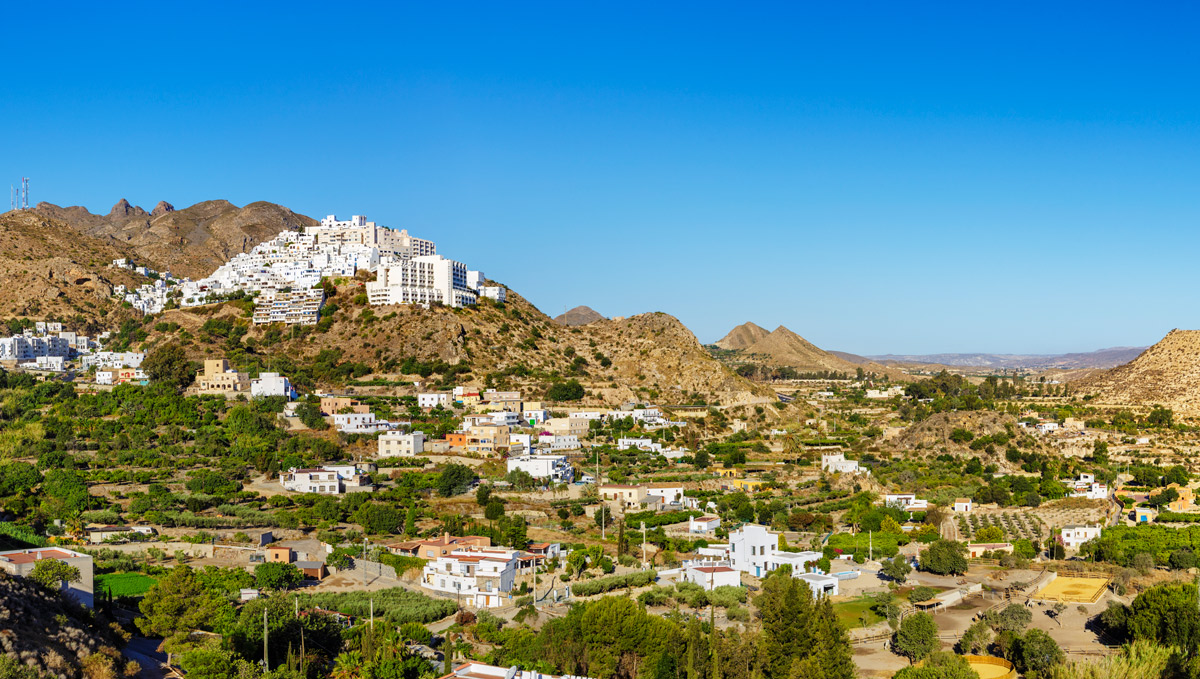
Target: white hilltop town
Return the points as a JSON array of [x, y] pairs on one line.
[[284, 273]]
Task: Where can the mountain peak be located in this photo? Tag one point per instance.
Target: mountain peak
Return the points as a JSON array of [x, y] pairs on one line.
[[124, 209], [742, 336], [580, 315], [162, 208]]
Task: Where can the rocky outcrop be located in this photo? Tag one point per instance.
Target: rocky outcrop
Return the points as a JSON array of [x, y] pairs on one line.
[[162, 208]]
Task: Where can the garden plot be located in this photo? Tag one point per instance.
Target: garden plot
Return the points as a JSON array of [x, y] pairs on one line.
[[1014, 524]]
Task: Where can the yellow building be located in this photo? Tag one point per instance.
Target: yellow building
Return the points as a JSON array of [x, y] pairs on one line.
[[218, 378], [746, 485], [1186, 501]]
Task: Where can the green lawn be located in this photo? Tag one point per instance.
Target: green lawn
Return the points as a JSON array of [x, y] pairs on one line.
[[850, 612], [124, 584]]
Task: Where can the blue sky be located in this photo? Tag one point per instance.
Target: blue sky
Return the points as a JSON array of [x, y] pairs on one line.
[[877, 177]]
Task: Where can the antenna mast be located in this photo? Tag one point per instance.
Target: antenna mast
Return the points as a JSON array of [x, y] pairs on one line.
[[25, 193]]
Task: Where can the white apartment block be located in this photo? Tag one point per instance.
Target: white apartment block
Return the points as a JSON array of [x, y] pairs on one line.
[[1073, 536], [399, 444], [298, 307], [751, 549], [433, 400], [508, 418], [272, 384], [51, 363], [479, 576], [27, 347], [422, 280], [358, 231], [554, 468], [113, 359]]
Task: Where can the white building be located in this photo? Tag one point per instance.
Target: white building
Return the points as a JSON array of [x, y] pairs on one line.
[[751, 549], [477, 576], [559, 441], [645, 444], [272, 384], [52, 363], [667, 492], [711, 577], [799, 561], [477, 670], [836, 463], [433, 400], [962, 504], [112, 359], [704, 524], [421, 280], [1073, 536], [906, 501], [359, 423], [885, 393], [399, 444], [507, 418], [555, 468], [21, 562], [326, 480], [494, 292], [820, 584], [1094, 491]]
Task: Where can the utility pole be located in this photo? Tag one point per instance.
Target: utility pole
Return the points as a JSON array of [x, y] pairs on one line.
[[870, 546], [372, 614], [266, 660], [643, 544]]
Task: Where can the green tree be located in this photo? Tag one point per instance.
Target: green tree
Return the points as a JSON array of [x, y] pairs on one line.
[[277, 576], [483, 494], [494, 510], [989, 534], [1166, 614], [1013, 618], [571, 390], [208, 662], [179, 604], [377, 518], [917, 636], [940, 665], [455, 479], [168, 363], [945, 557], [53, 573], [896, 568], [1037, 652]]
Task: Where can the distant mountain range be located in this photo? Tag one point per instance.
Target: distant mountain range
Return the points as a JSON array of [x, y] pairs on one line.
[[782, 347], [1100, 359]]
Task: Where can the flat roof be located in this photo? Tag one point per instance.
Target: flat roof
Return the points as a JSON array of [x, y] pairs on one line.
[[31, 555]]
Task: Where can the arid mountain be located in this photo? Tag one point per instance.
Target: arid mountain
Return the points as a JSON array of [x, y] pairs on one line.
[[1102, 358], [853, 358], [741, 337], [649, 357], [49, 270], [1167, 373], [190, 242], [784, 347], [580, 315]]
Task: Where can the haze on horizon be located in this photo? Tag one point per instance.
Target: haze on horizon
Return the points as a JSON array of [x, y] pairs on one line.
[[878, 178]]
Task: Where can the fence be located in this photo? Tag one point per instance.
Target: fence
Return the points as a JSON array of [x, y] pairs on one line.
[[995, 662]]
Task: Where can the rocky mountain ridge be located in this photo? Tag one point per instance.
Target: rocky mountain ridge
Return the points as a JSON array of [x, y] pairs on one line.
[[1167, 373], [192, 241]]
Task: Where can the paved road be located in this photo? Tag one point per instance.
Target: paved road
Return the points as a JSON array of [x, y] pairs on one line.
[[145, 652]]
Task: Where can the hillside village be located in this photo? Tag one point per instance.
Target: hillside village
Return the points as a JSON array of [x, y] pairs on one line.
[[346, 434]]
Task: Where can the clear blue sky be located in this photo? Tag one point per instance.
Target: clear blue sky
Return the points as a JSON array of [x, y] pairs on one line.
[[891, 177]]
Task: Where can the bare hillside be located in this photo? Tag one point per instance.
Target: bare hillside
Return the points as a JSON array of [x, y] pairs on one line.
[[742, 336], [49, 270], [192, 241], [1167, 373]]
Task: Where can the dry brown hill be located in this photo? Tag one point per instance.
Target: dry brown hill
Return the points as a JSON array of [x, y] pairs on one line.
[[48, 270], [649, 357], [1167, 373], [580, 315], [784, 347], [742, 336], [190, 242]]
